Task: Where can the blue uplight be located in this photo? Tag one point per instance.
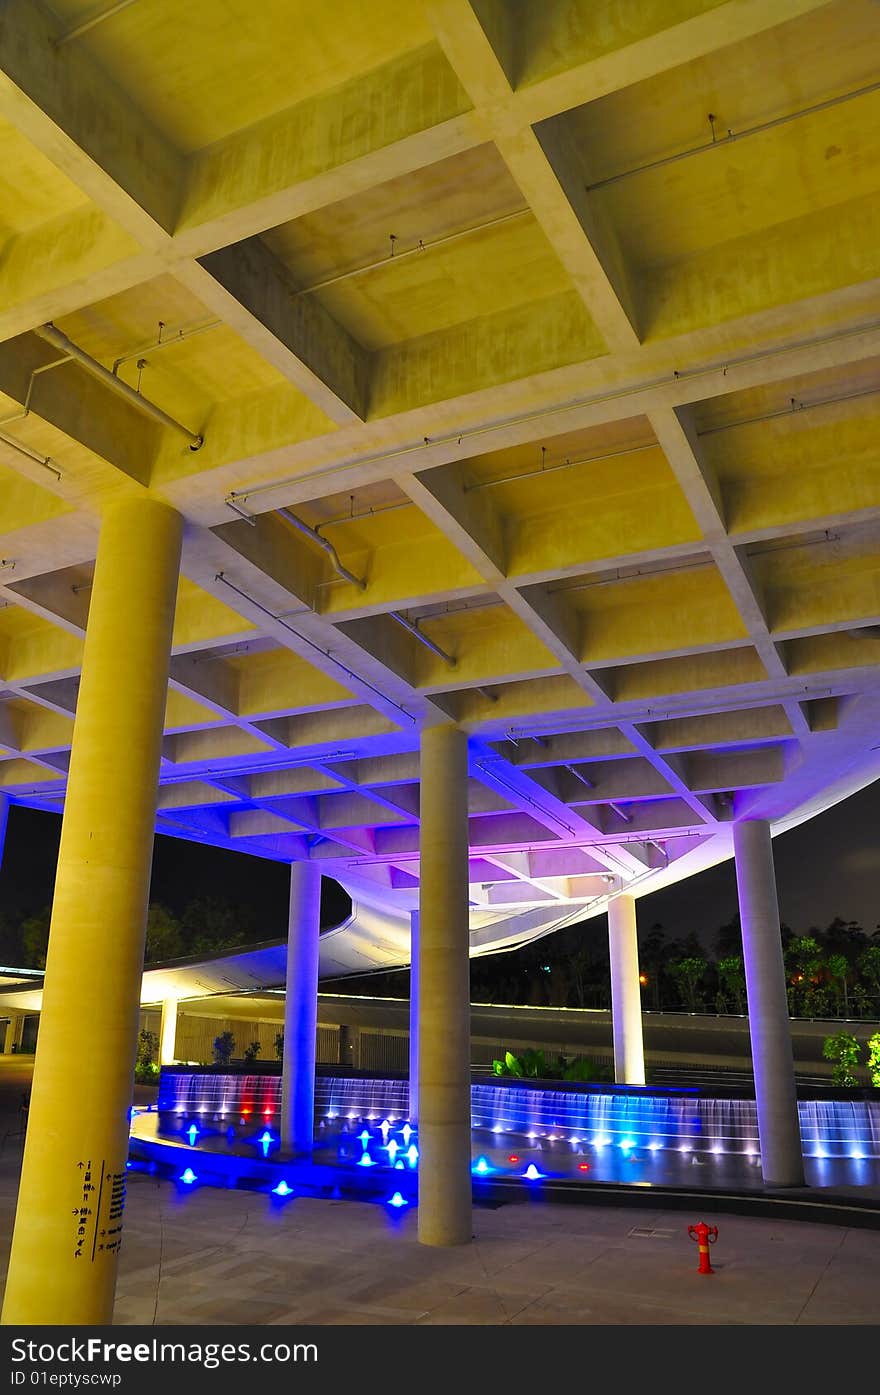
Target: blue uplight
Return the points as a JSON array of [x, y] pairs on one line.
[[192, 1134], [266, 1137], [282, 1189], [393, 1149], [407, 1133], [188, 1176], [365, 1161], [412, 1155], [482, 1167], [397, 1200], [398, 1166], [532, 1174], [364, 1138]]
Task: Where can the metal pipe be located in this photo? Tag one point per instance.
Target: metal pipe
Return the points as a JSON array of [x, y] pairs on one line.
[[791, 410], [683, 565], [160, 343], [621, 813], [484, 692], [33, 455], [91, 365], [562, 465], [310, 643], [578, 776], [323, 543], [572, 405], [96, 17], [732, 136], [411, 251], [412, 628]]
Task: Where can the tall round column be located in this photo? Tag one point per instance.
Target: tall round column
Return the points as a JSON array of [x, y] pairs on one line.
[[68, 1224], [782, 1162], [168, 1032], [444, 992], [414, 1017], [626, 995], [301, 1010]]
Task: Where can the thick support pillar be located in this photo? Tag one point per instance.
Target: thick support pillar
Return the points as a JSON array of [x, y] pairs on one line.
[[63, 1269], [414, 1017], [168, 1032], [444, 992], [626, 995], [782, 1161], [301, 1010], [12, 1036]]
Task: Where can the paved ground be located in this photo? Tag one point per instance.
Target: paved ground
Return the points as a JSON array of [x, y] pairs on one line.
[[205, 1256]]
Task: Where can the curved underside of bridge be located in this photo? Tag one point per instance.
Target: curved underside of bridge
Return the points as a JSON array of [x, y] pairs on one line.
[[520, 370]]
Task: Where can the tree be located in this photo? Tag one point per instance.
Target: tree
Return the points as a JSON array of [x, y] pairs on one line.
[[164, 940], [224, 1045], [732, 980], [35, 939], [874, 1059], [279, 1045], [837, 966], [688, 973], [803, 957], [728, 941], [844, 1050], [869, 968], [251, 1053], [653, 955]]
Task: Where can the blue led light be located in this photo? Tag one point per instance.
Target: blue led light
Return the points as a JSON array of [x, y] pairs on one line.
[[397, 1200], [266, 1137], [412, 1155], [188, 1176], [282, 1189], [365, 1161], [482, 1167], [364, 1138], [192, 1134], [532, 1174], [407, 1133], [398, 1166]]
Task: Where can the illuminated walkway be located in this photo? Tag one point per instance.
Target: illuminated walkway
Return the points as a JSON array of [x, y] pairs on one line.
[[223, 1257]]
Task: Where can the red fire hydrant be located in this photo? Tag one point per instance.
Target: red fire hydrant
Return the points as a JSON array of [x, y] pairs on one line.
[[705, 1235]]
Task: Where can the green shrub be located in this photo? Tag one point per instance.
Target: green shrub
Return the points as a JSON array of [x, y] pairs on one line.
[[224, 1045], [251, 1053], [146, 1070], [874, 1059], [844, 1050]]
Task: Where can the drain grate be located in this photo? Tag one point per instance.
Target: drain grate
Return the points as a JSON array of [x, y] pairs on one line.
[[649, 1232]]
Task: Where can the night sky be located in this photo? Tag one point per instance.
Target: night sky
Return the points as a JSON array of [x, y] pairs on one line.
[[828, 866]]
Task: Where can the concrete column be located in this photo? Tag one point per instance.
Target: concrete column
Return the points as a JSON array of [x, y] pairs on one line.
[[12, 1036], [444, 992], [63, 1270], [301, 1009], [782, 1161], [626, 995], [414, 1017], [168, 1032]]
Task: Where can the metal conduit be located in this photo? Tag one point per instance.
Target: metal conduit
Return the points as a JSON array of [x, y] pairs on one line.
[[91, 365], [326, 545], [731, 136], [412, 628]]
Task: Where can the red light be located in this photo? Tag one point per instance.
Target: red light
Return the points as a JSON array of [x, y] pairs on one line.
[[583, 1167], [514, 1157], [245, 1111]]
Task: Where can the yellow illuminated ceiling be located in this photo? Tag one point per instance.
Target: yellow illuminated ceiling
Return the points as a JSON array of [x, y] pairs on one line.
[[525, 362]]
